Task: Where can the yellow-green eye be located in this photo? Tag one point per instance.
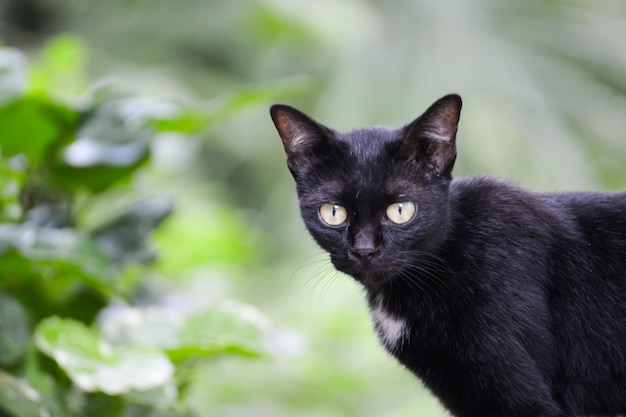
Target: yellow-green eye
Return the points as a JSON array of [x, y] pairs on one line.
[[333, 214], [400, 213]]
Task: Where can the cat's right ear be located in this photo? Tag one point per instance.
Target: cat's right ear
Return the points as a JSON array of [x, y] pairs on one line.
[[303, 137], [433, 135]]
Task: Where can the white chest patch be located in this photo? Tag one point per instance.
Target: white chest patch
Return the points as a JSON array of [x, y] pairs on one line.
[[391, 330]]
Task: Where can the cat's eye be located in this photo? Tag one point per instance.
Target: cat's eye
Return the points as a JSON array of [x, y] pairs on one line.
[[333, 214], [400, 213]]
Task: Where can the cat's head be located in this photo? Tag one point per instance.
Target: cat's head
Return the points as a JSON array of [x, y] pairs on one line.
[[376, 198]]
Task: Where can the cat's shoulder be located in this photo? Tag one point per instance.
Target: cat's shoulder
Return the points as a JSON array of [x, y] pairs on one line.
[[483, 192], [493, 200], [484, 183], [491, 190]]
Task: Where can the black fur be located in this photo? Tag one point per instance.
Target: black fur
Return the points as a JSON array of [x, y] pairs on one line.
[[510, 303]]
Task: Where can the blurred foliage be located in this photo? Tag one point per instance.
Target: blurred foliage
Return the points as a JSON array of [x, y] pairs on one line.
[[63, 286], [164, 204]]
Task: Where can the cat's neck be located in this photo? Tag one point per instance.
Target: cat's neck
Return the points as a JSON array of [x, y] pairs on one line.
[[430, 281]]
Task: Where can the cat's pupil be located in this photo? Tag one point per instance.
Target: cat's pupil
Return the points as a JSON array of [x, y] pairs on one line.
[[400, 213], [333, 214]]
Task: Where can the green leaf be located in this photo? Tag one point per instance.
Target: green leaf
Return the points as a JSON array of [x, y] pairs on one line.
[[54, 399], [93, 364], [19, 398], [125, 239], [94, 404], [11, 183], [231, 104], [111, 144], [95, 179], [231, 328], [60, 67], [26, 250], [192, 119], [133, 326], [30, 126], [187, 121], [228, 328], [161, 397], [14, 331]]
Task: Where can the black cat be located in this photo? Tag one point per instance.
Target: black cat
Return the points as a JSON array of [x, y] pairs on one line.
[[503, 301]]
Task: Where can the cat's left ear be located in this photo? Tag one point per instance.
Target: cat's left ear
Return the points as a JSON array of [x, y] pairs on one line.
[[304, 139], [433, 134]]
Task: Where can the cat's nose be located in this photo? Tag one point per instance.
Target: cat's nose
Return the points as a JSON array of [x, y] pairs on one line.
[[364, 247], [364, 253]]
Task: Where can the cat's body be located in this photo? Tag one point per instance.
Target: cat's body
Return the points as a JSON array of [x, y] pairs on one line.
[[503, 301]]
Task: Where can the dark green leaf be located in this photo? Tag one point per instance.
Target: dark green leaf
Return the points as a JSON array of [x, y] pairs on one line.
[[64, 253], [14, 332], [111, 144], [94, 179], [125, 239]]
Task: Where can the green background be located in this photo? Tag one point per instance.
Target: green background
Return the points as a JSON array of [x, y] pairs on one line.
[[152, 260]]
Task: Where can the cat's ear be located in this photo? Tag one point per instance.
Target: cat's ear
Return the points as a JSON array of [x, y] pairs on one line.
[[433, 134], [303, 137]]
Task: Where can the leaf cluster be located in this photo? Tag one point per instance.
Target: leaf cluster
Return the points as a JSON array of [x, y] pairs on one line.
[[74, 341]]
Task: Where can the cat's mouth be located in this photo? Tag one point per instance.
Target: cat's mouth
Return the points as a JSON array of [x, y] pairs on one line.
[[369, 279], [370, 274]]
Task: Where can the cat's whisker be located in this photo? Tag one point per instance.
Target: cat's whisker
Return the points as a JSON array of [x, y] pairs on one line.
[[321, 277], [412, 281], [332, 278], [432, 276], [312, 262], [430, 279], [317, 278], [420, 286], [438, 272]]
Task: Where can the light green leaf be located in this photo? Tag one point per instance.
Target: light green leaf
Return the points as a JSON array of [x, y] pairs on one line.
[[60, 68], [161, 397], [134, 326], [227, 328], [186, 120], [230, 104], [232, 328], [95, 365], [19, 398], [31, 125], [11, 183]]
